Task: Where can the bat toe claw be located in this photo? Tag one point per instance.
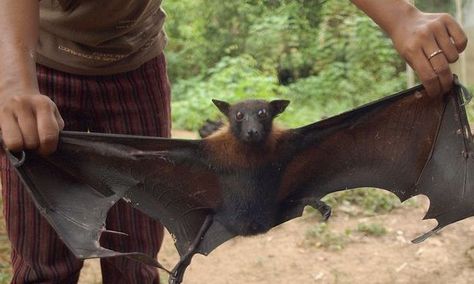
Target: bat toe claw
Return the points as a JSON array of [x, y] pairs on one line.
[[324, 209], [326, 214], [177, 274]]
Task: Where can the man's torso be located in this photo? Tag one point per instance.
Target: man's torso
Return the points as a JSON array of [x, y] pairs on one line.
[[100, 37]]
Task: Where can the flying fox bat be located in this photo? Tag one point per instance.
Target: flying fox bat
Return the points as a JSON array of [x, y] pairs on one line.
[[250, 176]]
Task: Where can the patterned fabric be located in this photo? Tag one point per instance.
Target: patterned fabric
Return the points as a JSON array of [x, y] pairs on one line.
[[136, 102]]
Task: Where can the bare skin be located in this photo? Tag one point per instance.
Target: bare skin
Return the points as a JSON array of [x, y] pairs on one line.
[[417, 36], [29, 120]]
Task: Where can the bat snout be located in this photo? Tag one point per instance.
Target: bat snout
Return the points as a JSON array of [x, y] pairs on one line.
[[253, 135], [253, 228]]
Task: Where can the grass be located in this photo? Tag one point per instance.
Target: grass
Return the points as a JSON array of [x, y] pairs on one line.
[[372, 229], [322, 236], [358, 202], [163, 278], [366, 201]]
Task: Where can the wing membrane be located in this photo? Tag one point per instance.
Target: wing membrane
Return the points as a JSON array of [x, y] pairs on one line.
[[75, 187], [408, 144]]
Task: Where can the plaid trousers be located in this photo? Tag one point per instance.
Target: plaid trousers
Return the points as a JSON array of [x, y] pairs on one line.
[[136, 102]]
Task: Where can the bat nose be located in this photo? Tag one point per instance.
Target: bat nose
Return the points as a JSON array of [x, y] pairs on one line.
[[252, 133]]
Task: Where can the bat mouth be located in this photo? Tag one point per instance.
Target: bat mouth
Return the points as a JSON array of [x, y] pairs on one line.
[[253, 140], [255, 228], [249, 227]]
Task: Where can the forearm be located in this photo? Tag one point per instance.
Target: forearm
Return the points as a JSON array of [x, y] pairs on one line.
[[19, 22], [27, 118], [386, 13]]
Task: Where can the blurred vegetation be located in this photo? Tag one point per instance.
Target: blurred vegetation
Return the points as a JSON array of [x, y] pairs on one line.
[[325, 56], [437, 6], [470, 107], [372, 229], [369, 201], [4, 250], [322, 236]]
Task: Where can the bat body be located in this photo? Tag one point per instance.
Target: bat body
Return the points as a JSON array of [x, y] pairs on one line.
[[250, 176]]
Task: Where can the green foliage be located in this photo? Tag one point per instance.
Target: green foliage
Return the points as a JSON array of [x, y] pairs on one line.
[[448, 6], [5, 278], [232, 79], [436, 5], [354, 64], [325, 56], [372, 229], [322, 236], [202, 32], [470, 106]]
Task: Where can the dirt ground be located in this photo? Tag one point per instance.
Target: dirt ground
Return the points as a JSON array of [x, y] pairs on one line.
[[288, 255]]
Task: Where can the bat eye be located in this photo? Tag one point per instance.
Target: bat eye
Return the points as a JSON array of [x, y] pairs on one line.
[[262, 114], [239, 116]]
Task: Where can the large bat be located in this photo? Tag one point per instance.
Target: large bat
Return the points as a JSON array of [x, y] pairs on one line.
[[249, 176]]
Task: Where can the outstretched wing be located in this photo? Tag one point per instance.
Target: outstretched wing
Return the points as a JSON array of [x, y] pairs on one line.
[[75, 187], [409, 143]]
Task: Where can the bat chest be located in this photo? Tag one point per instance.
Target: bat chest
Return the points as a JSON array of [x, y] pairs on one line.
[[249, 200]]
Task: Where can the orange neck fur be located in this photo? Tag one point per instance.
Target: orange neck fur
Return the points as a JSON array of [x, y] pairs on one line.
[[228, 152]]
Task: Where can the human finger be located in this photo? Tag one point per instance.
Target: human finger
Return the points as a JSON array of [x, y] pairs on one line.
[[446, 44], [59, 119], [28, 127], [11, 134], [456, 33], [48, 128], [439, 64], [425, 72]]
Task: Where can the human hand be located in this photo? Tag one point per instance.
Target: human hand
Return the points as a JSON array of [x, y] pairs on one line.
[[29, 120], [429, 42]]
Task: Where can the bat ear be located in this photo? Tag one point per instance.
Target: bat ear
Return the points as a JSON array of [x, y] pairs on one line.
[[222, 106], [278, 106]]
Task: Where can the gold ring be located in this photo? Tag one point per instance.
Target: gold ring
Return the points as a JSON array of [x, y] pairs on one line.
[[439, 51]]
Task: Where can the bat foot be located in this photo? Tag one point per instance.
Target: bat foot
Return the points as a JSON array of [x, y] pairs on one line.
[[177, 274], [324, 209]]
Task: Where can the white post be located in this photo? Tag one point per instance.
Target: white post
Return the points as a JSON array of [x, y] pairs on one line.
[[462, 57]]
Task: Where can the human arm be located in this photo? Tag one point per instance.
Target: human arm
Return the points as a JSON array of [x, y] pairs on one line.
[[27, 118], [418, 36]]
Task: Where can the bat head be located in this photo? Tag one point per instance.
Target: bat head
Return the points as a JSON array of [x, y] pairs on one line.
[[251, 121]]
